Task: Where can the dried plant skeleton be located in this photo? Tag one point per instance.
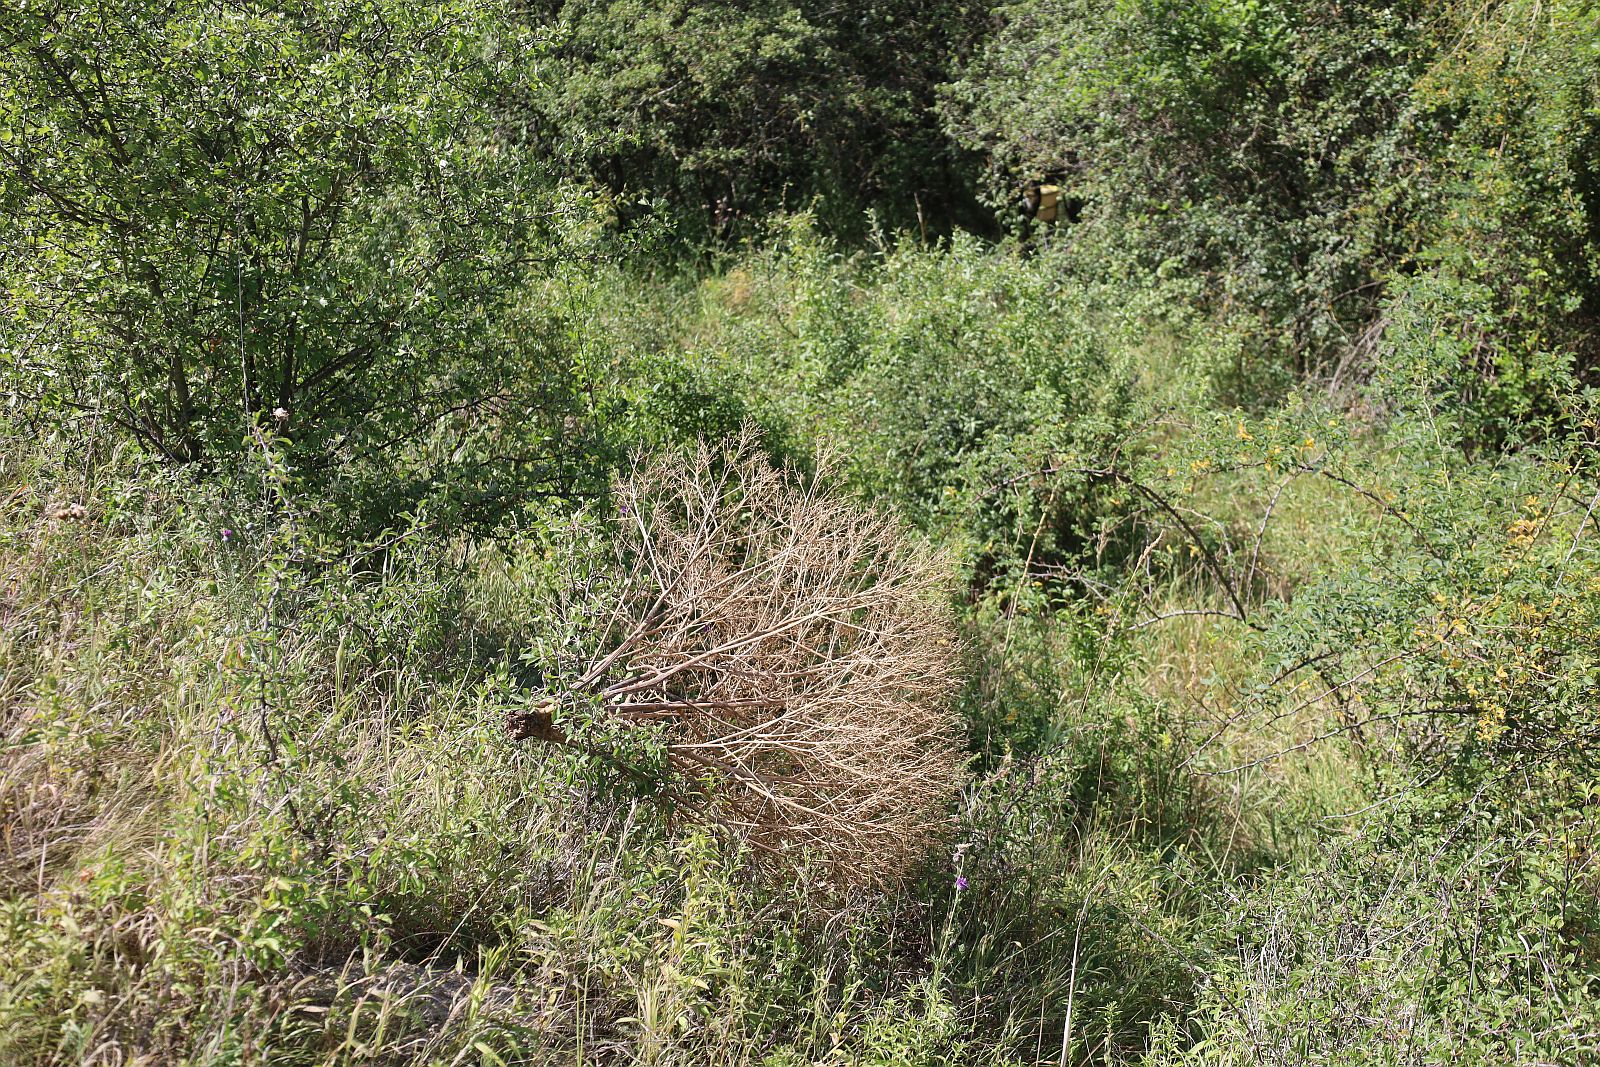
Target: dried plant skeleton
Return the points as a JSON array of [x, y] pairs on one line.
[[796, 651]]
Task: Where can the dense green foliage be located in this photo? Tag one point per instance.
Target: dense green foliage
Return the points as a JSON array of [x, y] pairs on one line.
[[1288, 162], [1264, 479], [217, 217], [706, 117]]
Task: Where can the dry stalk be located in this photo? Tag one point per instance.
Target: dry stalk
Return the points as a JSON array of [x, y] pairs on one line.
[[796, 654]]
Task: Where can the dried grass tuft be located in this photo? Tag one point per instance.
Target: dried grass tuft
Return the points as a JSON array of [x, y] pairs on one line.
[[796, 653]]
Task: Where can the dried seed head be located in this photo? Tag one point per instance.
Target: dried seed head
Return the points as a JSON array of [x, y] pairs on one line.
[[73, 512]]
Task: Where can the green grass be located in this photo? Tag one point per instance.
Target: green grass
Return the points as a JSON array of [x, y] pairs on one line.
[[259, 808]]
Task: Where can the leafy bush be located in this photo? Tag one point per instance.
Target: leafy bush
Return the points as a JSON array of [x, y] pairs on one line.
[[1512, 215], [1284, 162], [707, 118], [1406, 948], [951, 380], [261, 215], [1254, 148]]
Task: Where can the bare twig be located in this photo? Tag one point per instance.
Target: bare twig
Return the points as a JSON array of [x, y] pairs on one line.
[[794, 651]]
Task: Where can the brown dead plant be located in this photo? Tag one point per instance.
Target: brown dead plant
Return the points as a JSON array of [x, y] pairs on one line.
[[793, 651]]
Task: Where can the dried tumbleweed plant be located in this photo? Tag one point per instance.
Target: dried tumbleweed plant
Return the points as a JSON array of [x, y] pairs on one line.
[[793, 652]]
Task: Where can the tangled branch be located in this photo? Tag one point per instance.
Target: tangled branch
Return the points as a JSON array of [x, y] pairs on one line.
[[796, 654]]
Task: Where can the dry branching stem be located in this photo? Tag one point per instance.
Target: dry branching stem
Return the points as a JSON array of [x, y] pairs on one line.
[[797, 652]]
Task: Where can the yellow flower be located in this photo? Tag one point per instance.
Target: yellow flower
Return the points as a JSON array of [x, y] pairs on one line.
[[1491, 723]]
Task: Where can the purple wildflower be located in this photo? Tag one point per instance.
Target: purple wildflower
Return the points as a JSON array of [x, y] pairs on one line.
[[226, 533], [961, 882]]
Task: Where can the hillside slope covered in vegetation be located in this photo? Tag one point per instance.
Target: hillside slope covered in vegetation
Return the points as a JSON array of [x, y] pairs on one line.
[[596, 533]]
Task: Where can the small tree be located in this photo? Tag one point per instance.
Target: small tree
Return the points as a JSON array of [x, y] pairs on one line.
[[791, 651], [218, 212]]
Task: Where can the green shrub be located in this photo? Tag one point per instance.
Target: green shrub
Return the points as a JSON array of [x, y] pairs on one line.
[[704, 119], [1285, 162], [1463, 941], [952, 380], [260, 216]]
